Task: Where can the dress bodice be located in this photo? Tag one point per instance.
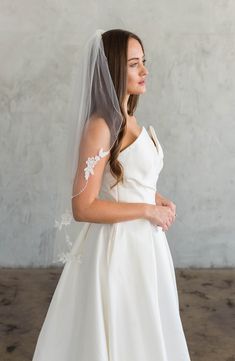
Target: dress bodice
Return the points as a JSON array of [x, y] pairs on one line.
[[142, 162]]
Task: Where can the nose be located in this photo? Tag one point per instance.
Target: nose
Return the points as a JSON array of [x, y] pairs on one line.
[[144, 70]]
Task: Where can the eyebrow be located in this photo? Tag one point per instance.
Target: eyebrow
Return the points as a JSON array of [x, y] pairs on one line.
[[136, 58]]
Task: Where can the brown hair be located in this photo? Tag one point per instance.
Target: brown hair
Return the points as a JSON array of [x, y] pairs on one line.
[[115, 43]]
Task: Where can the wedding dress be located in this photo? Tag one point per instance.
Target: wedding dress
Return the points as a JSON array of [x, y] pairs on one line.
[[116, 299]]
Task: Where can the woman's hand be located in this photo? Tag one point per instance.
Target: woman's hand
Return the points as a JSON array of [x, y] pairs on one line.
[[162, 201], [162, 216]]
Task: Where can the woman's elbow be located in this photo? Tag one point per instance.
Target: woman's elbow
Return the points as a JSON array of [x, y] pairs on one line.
[[80, 211], [77, 214]]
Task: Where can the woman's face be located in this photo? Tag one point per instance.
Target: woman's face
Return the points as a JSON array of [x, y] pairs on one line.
[[136, 70]]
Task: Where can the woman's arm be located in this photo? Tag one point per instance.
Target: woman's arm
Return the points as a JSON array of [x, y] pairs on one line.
[[105, 211]]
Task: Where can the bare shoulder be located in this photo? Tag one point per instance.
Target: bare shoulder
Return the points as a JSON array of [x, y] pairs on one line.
[[98, 128]]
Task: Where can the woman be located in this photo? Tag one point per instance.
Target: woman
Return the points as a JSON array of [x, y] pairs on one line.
[[116, 299]]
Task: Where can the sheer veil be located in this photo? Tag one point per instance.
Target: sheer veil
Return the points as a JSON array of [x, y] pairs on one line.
[[93, 97]]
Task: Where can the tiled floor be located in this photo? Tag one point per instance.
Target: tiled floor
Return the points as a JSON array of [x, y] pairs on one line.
[[207, 305]]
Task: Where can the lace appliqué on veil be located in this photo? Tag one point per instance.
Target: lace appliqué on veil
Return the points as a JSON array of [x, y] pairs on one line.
[[64, 257], [67, 217], [91, 162]]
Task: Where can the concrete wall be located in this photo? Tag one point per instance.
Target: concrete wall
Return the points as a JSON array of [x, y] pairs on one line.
[[190, 52]]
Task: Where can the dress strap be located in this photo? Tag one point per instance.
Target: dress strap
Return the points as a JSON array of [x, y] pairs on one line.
[[152, 134], [155, 140]]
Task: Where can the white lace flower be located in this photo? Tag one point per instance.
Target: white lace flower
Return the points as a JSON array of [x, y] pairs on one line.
[[67, 240], [66, 219], [91, 162], [66, 257], [63, 258], [103, 153]]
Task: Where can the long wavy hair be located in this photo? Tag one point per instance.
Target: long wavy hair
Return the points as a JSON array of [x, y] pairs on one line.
[[115, 43]]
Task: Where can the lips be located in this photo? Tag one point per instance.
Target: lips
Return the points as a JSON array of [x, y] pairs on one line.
[[142, 82]]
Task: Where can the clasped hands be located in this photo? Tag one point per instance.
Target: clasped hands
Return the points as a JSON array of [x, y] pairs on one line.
[[166, 212]]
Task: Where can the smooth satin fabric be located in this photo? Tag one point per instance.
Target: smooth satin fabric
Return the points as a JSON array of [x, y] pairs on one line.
[[116, 299]]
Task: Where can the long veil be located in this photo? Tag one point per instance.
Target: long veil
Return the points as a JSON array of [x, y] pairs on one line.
[[93, 97]]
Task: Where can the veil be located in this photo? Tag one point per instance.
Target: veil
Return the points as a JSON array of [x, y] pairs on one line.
[[93, 97]]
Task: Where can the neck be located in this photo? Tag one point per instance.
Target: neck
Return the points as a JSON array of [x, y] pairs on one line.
[[125, 105]]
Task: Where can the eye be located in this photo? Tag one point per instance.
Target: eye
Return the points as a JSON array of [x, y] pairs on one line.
[[134, 64]]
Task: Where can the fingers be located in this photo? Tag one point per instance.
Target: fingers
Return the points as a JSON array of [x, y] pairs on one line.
[[168, 222], [166, 216], [172, 207], [171, 216], [165, 227]]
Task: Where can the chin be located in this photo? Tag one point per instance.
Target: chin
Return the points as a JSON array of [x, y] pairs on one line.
[[138, 92]]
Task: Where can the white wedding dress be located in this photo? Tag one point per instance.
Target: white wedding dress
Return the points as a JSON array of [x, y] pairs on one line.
[[116, 299]]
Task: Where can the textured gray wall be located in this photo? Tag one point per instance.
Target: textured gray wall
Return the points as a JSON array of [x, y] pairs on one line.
[[190, 51]]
